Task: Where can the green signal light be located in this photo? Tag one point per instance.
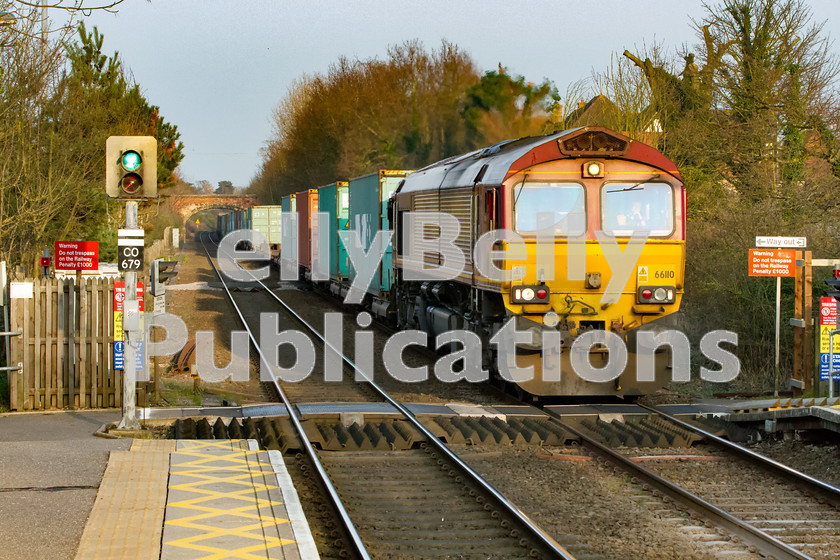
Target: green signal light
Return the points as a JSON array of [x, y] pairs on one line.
[[131, 160]]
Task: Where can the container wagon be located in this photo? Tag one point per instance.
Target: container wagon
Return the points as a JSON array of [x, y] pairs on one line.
[[368, 214], [334, 200]]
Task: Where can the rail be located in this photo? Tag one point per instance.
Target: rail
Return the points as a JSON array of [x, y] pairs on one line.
[[829, 493], [765, 544], [355, 538], [536, 532]]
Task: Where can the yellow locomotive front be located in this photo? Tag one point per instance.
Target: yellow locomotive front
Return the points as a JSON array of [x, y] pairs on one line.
[[617, 262], [587, 237]]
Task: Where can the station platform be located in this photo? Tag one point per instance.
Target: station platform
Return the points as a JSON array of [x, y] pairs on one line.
[[190, 499]]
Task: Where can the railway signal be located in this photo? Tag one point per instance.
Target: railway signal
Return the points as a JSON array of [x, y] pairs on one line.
[[131, 167], [835, 285], [161, 272]]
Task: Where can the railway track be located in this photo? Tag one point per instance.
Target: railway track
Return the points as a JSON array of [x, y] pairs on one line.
[[789, 517], [440, 474], [775, 511]]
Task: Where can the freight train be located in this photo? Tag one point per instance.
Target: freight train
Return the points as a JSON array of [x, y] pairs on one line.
[[592, 224]]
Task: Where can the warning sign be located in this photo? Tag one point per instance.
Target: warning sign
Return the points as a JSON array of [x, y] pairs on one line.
[[119, 345], [77, 255], [772, 262], [828, 323]]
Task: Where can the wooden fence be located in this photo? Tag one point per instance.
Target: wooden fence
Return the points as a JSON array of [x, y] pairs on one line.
[[67, 346]]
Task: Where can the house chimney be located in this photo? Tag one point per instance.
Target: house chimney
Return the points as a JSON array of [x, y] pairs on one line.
[[581, 104]]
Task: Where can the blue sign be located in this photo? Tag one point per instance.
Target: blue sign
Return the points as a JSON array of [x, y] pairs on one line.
[[824, 364], [119, 349], [119, 355]]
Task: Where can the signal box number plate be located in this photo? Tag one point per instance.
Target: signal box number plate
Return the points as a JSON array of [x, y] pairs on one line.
[[130, 259]]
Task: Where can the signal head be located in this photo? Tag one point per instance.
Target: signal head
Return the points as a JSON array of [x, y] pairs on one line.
[[130, 160], [131, 167]]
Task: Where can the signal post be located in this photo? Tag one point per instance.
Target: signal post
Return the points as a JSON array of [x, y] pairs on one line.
[[131, 175]]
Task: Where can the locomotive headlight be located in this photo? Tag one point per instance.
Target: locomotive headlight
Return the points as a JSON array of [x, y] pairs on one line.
[[533, 294], [656, 294], [593, 169]]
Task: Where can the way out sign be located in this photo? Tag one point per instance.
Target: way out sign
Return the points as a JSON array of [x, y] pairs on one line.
[[772, 262]]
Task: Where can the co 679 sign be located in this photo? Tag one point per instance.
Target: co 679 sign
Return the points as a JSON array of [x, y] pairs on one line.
[[130, 250], [130, 259]]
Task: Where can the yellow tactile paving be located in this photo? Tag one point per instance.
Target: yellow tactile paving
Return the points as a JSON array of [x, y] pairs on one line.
[[224, 502], [127, 517], [153, 445]]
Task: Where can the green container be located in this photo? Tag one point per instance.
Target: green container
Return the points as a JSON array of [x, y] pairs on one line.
[[333, 200], [275, 214], [368, 214]]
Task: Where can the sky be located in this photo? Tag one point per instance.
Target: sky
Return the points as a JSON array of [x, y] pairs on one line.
[[218, 69]]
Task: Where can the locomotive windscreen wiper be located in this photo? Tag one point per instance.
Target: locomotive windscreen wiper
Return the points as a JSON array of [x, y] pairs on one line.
[[637, 185], [522, 188]]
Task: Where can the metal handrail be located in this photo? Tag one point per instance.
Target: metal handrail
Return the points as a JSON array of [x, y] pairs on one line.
[[20, 365]]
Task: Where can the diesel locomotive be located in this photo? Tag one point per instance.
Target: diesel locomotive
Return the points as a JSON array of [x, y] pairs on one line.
[[577, 231]]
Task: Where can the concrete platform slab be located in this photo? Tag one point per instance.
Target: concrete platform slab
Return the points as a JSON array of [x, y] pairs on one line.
[[227, 499], [127, 516]]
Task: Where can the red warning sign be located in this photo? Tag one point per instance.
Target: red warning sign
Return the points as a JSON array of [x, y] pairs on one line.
[[772, 262], [77, 255]]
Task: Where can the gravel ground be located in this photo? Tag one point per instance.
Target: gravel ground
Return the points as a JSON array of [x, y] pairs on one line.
[[570, 495], [208, 309], [761, 500], [822, 461]]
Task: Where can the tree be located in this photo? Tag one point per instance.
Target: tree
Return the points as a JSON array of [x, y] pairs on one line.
[[58, 104], [752, 125], [94, 100], [203, 187], [501, 107], [107, 104], [403, 112], [225, 187]]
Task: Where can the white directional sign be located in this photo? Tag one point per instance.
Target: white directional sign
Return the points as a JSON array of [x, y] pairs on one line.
[[781, 242]]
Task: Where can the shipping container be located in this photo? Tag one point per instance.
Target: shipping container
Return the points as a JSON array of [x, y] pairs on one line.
[[289, 228], [275, 225], [261, 221], [307, 206], [334, 200], [223, 224], [368, 214]]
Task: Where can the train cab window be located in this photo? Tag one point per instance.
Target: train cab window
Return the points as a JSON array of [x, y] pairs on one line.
[[564, 201], [629, 207]]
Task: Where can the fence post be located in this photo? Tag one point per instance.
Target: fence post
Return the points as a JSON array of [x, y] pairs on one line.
[[60, 355]]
